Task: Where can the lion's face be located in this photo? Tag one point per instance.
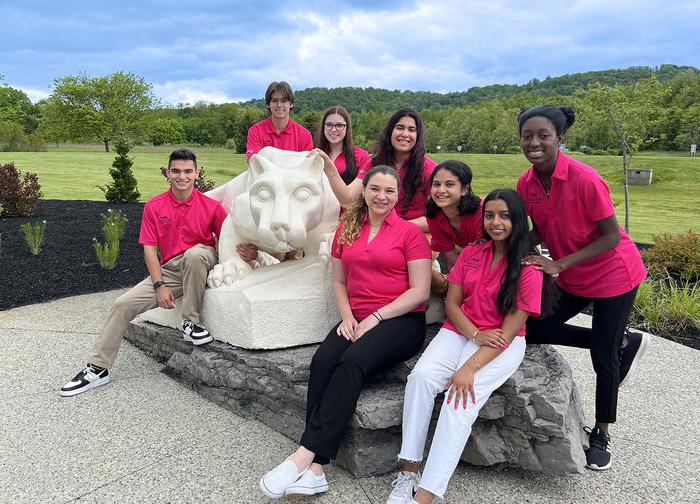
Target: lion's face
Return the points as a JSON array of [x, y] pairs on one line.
[[285, 199]]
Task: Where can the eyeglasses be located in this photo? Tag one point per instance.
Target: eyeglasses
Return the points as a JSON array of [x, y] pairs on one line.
[[337, 126]]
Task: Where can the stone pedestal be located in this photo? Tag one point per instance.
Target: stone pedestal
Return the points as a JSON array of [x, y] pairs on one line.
[[534, 421], [262, 312]]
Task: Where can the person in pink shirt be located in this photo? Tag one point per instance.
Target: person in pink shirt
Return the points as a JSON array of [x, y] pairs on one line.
[[334, 139], [453, 213], [178, 233], [401, 146], [479, 346], [381, 281], [592, 258], [279, 130]]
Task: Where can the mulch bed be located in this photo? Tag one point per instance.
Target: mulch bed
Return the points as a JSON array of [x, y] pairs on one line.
[[67, 264]]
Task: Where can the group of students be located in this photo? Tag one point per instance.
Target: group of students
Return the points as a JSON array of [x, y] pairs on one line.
[[398, 204]]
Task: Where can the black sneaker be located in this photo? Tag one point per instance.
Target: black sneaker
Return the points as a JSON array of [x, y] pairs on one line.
[[631, 353], [197, 334], [599, 453], [89, 377]]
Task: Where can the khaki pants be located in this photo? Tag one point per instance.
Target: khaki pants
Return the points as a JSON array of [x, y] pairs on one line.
[[185, 275]]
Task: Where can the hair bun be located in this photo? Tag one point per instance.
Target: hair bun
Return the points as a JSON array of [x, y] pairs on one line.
[[569, 114]]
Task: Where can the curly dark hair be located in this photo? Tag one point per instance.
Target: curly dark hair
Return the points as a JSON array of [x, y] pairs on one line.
[[469, 203]]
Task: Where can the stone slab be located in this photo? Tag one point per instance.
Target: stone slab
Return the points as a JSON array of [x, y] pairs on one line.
[[533, 422]]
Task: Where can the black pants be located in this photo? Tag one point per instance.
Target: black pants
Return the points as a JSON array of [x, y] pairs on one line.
[[339, 369], [610, 316]]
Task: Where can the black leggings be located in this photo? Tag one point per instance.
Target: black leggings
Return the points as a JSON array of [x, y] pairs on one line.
[[610, 316], [339, 369]]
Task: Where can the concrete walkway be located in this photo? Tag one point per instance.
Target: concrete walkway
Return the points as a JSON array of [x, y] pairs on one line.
[[144, 438]]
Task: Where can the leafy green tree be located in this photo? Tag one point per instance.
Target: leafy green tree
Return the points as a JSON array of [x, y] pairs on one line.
[[630, 112], [166, 131], [106, 108], [15, 107], [123, 188]]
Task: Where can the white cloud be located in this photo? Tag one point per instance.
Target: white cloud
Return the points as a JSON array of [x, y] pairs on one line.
[[36, 94], [189, 92]]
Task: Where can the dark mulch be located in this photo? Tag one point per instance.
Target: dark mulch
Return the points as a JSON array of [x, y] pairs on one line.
[[66, 265]]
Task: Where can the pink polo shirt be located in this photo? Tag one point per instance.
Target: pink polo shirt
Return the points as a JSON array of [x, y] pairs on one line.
[[263, 134], [480, 288], [376, 273], [567, 218], [176, 226], [417, 206], [361, 159], [444, 237]]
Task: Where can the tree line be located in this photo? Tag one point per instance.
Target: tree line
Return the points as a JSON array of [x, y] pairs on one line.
[[640, 107]]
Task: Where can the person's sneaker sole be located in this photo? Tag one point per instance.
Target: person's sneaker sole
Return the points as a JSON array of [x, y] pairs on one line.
[[75, 392], [198, 341], [300, 493], [646, 341], [597, 468]]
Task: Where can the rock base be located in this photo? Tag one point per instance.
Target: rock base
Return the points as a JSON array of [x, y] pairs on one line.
[[534, 421]]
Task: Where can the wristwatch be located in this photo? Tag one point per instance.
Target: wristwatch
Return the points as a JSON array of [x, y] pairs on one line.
[[157, 284]]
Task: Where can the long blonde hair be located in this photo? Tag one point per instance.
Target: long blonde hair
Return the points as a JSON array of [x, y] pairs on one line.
[[352, 219]]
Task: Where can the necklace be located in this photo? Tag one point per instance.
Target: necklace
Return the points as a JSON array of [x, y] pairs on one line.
[[373, 230]]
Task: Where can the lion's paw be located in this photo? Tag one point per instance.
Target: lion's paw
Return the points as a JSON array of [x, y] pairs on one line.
[[227, 272], [265, 259]]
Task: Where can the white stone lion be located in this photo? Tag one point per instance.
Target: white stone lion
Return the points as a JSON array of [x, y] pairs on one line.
[[283, 202]]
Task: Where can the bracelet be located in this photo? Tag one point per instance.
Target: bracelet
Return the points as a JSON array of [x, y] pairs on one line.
[[476, 361], [474, 335], [377, 316]]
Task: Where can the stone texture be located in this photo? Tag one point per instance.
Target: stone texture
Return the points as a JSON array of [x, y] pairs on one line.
[[534, 421]]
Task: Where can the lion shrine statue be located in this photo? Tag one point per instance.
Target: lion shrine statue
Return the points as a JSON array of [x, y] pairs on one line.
[[282, 203]]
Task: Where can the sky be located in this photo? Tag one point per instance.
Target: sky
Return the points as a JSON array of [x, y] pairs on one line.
[[222, 51]]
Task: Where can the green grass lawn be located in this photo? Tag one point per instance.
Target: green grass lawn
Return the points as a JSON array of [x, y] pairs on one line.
[[670, 205]]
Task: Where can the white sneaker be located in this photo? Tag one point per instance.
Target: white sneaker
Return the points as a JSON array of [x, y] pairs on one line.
[[89, 377], [405, 487], [308, 484], [275, 483]]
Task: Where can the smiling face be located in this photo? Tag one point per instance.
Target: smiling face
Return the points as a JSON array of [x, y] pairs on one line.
[[280, 106], [182, 173], [404, 135], [497, 223], [446, 189], [540, 142], [335, 128], [380, 194]]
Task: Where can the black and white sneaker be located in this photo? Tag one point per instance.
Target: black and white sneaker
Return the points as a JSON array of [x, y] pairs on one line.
[[599, 453], [195, 333], [631, 353], [89, 377]]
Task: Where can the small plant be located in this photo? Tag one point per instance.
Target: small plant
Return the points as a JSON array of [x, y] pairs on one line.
[[19, 194], [113, 226], [107, 253], [201, 183], [230, 144], [34, 235], [123, 189], [675, 255]]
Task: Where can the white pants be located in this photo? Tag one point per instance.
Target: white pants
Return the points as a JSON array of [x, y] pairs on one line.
[[445, 354]]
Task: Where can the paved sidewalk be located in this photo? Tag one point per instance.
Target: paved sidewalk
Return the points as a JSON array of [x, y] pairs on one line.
[[144, 438]]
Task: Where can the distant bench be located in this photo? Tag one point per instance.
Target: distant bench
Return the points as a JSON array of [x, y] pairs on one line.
[[534, 421]]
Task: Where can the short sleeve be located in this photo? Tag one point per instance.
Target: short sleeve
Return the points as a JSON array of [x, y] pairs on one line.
[[366, 166], [595, 195], [149, 233], [254, 143], [361, 158], [307, 142], [336, 249], [521, 186], [530, 291], [218, 220], [416, 244], [456, 274]]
